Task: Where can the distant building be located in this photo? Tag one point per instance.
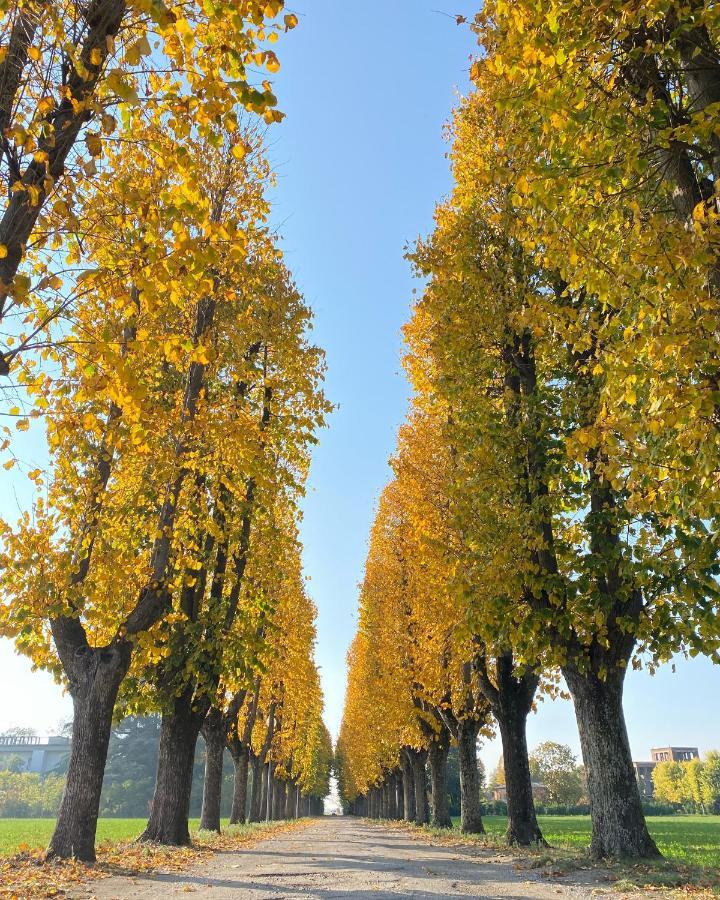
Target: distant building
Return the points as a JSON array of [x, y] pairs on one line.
[[644, 770], [39, 754], [676, 754], [643, 773], [539, 790]]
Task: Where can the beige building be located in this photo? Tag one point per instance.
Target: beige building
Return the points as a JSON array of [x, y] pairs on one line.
[[644, 770], [676, 754]]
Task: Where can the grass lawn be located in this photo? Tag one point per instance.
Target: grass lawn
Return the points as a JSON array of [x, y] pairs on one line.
[[691, 840], [33, 833]]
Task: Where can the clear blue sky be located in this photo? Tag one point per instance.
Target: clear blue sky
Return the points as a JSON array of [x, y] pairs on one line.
[[367, 89]]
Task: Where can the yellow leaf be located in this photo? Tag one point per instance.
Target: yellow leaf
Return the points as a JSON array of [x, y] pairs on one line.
[[3, 251], [272, 64], [272, 8], [93, 144]]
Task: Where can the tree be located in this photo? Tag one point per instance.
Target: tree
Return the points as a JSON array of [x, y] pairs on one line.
[[669, 782], [692, 784], [77, 78], [14, 763], [556, 767], [130, 768], [711, 782], [148, 432], [523, 352]]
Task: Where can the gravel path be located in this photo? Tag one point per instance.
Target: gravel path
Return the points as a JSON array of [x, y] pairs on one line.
[[347, 858]]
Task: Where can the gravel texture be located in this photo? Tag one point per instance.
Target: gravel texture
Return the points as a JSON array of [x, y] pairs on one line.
[[338, 857]]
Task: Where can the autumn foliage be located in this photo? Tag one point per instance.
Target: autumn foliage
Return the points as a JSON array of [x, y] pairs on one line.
[[152, 328], [557, 478]]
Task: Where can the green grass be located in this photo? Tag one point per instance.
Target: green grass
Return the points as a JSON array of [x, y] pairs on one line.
[[34, 833], [689, 840]]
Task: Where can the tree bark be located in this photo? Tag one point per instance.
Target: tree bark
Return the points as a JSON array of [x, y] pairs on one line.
[[399, 798], [255, 789], [523, 828], [511, 701], [470, 808], [179, 730], [440, 808], [422, 812], [290, 801], [214, 732], [408, 786], [618, 823], [279, 799], [94, 685], [268, 791], [241, 762]]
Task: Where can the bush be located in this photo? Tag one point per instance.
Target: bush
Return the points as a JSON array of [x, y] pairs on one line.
[[654, 808], [575, 809], [27, 795], [494, 808]]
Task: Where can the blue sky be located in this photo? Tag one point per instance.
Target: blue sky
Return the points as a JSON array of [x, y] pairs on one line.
[[367, 89], [361, 162]]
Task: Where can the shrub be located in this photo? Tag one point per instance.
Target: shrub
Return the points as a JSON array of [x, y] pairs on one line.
[[29, 795]]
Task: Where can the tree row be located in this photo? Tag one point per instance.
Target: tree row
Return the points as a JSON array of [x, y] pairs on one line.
[[154, 337], [553, 510]]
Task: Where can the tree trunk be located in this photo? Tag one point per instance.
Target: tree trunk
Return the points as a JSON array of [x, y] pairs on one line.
[[94, 687], [290, 800], [618, 823], [400, 793], [255, 789], [523, 828], [511, 701], [241, 762], [279, 798], [408, 786], [268, 795], [440, 812], [215, 732], [168, 822], [422, 812], [470, 815]]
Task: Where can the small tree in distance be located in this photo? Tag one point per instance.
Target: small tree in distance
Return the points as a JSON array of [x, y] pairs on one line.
[[556, 766]]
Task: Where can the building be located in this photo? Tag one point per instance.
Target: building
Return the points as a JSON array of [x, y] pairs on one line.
[[643, 773], [676, 754], [499, 792], [644, 770], [38, 754]]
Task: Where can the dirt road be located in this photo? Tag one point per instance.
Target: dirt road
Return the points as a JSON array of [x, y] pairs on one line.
[[346, 858]]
